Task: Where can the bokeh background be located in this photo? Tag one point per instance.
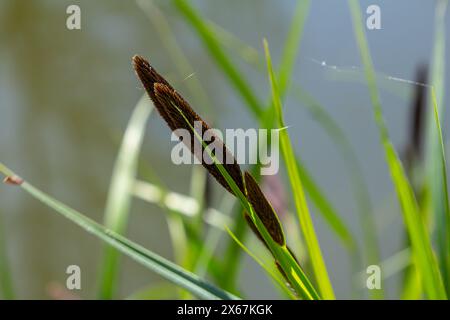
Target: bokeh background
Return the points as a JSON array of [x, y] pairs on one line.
[[66, 97]]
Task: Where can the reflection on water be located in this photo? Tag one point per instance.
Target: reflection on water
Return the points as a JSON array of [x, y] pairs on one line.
[[66, 97]]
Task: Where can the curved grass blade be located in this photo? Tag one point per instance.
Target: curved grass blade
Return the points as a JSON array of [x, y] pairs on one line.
[[120, 192], [421, 244], [307, 227], [150, 260]]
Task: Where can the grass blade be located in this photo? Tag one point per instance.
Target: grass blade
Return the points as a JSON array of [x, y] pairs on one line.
[[420, 240], [120, 191], [318, 264], [150, 260], [444, 230]]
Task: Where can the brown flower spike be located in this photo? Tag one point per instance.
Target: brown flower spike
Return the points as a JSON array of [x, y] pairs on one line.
[[166, 101]]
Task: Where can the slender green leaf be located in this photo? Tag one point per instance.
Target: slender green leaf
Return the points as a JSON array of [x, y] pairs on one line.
[[307, 227], [150, 260]]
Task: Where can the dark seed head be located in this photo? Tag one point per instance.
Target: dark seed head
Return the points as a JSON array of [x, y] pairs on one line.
[[169, 105], [419, 103]]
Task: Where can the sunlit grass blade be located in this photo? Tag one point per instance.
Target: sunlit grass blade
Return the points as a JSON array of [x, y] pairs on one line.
[[307, 227], [6, 286], [420, 240], [120, 191], [444, 234], [150, 260], [292, 46], [438, 203], [236, 78]]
